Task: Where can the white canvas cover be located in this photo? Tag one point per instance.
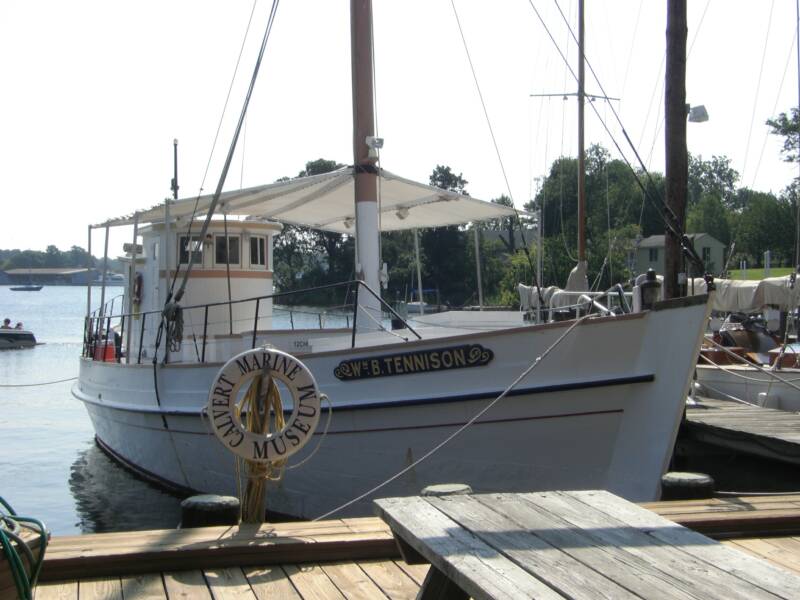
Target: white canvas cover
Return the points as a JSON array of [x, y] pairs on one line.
[[326, 202], [733, 295]]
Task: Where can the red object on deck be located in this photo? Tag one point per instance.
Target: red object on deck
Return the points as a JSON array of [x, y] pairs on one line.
[[105, 351]]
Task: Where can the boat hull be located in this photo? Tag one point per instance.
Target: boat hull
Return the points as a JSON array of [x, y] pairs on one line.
[[751, 385], [601, 410], [11, 339]]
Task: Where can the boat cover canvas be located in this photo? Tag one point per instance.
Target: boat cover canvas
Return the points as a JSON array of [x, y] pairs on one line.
[[733, 295], [326, 202]]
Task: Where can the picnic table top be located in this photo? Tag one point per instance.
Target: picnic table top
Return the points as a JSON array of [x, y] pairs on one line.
[[579, 544]]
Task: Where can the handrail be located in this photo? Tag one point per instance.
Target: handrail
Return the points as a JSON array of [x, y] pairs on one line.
[[92, 320]]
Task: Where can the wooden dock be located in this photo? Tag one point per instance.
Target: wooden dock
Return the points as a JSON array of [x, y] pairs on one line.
[[765, 432], [347, 558]]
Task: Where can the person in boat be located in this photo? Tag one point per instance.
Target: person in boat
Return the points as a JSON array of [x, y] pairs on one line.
[[19, 325], [6, 324]]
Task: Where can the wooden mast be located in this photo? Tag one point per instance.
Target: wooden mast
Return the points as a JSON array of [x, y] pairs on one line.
[[366, 175], [676, 158]]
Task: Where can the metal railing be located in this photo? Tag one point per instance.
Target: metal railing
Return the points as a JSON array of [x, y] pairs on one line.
[[102, 331]]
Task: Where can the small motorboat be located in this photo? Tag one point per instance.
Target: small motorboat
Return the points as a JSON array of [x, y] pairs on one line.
[[26, 288], [16, 338]]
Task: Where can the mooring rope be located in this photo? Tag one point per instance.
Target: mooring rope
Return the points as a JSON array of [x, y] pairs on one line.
[[461, 429], [18, 385]]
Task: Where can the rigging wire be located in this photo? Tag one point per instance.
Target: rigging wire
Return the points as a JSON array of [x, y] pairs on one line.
[[668, 216], [775, 107], [537, 361], [758, 86], [494, 139]]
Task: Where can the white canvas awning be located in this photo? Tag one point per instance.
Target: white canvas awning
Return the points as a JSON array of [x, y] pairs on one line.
[[326, 202]]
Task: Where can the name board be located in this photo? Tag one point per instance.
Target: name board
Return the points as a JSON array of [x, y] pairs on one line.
[[409, 363]]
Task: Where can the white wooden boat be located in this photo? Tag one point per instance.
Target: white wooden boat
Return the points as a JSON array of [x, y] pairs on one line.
[[601, 409]]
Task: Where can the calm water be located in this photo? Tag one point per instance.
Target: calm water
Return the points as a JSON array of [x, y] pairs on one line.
[[50, 467]]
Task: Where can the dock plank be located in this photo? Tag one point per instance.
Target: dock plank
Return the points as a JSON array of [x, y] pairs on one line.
[[766, 432], [60, 590], [312, 582], [147, 586], [100, 589], [352, 581], [417, 572], [229, 584], [186, 584], [760, 573], [271, 583], [391, 579], [773, 549]]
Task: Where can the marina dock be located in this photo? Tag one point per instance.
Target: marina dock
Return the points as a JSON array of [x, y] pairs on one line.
[[346, 558], [765, 432]]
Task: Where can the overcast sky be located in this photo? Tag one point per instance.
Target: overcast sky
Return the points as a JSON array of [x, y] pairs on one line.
[[95, 91]]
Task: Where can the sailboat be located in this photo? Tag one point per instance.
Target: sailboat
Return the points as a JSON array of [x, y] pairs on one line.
[[592, 402]]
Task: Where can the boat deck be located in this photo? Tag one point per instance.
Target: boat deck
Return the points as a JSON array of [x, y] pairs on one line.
[[343, 558], [765, 432]]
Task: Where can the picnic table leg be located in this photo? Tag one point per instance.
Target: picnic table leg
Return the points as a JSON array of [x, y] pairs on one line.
[[438, 586]]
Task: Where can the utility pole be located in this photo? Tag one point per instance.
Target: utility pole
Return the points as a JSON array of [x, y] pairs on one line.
[[581, 150], [677, 160]]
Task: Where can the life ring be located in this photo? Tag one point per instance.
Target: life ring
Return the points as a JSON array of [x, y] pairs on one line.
[[227, 424], [137, 288]]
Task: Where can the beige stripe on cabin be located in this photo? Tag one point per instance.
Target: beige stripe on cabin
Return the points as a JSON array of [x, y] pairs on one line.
[[221, 273]]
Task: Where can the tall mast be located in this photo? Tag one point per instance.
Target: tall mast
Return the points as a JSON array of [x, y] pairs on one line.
[[581, 151], [366, 174], [677, 160]]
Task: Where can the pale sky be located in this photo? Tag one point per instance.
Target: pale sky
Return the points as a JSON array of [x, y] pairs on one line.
[[95, 91]]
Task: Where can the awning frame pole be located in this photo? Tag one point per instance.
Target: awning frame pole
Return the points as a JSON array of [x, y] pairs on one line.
[[103, 282], [478, 266], [88, 275], [132, 284], [419, 272]]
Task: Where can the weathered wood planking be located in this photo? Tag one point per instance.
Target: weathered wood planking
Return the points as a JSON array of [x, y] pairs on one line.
[[722, 518], [216, 547], [765, 432], [581, 545], [325, 581]]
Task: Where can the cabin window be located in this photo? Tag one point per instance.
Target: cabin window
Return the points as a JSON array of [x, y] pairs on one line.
[[233, 250], [653, 252], [258, 251], [197, 250]]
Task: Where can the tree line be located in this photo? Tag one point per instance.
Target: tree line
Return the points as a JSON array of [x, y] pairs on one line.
[[622, 209]]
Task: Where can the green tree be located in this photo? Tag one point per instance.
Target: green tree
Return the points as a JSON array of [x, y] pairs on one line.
[[708, 215], [787, 127], [766, 223], [715, 176]]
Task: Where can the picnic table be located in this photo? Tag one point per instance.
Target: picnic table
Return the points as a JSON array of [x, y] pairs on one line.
[[580, 544]]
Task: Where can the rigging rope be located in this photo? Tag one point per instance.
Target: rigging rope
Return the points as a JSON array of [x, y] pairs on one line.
[[668, 216], [758, 87], [19, 385], [461, 429]]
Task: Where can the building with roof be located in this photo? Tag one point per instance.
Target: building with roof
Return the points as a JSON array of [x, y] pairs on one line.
[[649, 253], [52, 276]]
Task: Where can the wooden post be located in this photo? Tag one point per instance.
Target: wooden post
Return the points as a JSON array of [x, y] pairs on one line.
[[676, 158]]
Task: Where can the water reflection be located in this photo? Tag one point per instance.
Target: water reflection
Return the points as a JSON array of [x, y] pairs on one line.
[[110, 498]]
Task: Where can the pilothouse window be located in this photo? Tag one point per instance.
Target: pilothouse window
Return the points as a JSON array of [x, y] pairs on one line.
[[197, 249], [258, 251], [233, 250]]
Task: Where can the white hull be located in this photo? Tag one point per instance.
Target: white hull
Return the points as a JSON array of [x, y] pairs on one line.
[[601, 411], [751, 385]]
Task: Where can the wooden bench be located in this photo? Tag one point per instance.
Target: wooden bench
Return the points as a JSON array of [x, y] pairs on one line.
[[585, 544]]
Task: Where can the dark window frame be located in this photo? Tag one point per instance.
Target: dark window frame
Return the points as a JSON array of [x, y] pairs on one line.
[[259, 249], [183, 250]]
